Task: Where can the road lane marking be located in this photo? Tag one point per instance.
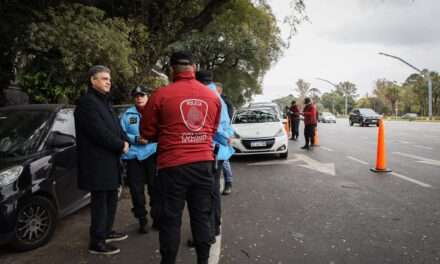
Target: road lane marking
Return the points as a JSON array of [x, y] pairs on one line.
[[403, 177], [419, 158], [327, 168], [328, 149], [404, 142], [214, 253], [357, 160], [423, 147]]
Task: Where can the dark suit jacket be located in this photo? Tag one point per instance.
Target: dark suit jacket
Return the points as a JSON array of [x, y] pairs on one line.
[[100, 142]]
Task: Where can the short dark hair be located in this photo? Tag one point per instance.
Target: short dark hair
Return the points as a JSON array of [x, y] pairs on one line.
[[204, 76], [181, 58], [307, 100], [293, 102], [97, 69]]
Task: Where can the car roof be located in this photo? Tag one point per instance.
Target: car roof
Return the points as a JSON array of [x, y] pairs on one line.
[[36, 107]]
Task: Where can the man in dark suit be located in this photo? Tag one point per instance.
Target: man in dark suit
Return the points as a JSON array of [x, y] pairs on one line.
[[100, 143]]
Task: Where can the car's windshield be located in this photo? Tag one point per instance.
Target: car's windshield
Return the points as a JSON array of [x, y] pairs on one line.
[[21, 131], [255, 116], [367, 112], [327, 114]]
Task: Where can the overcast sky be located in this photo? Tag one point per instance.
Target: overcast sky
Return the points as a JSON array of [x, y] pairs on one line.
[[343, 38]]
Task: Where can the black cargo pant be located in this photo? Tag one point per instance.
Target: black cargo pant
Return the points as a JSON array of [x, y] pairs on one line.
[[294, 126], [192, 183], [139, 173], [102, 210], [216, 214], [309, 133]]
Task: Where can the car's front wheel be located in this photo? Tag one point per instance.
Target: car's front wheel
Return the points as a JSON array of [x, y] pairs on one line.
[[36, 222], [351, 122]]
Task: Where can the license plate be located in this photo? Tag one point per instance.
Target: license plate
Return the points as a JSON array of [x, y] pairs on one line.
[[258, 144], [373, 121]]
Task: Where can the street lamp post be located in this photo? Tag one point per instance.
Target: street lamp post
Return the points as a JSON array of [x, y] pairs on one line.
[[336, 86], [426, 75]]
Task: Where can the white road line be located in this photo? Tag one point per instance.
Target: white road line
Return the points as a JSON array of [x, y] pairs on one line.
[[214, 253], [419, 158], [328, 149], [357, 160], [423, 147], [411, 180]]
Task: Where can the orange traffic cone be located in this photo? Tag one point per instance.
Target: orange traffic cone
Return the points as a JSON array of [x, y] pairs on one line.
[[381, 160], [316, 138]]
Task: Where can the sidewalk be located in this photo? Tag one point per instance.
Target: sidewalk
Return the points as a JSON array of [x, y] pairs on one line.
[[69, 244]]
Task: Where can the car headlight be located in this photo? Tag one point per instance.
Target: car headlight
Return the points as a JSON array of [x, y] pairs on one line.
[[280, 133], [10, 175], [236, 135]]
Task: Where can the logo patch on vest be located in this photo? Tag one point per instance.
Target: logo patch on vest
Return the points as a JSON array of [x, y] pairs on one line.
[[132, 120], [194, 112]]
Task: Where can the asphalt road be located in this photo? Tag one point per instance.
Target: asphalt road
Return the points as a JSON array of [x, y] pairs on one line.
[[304, 211], [319, 206]]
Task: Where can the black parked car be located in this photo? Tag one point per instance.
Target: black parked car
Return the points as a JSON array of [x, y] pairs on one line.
[[38, 173], [364, 117]]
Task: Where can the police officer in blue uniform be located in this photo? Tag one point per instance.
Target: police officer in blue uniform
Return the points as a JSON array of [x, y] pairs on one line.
[[140, 160]]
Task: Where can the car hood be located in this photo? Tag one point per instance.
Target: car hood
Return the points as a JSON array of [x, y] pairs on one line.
[[257, 130], [6, 163]]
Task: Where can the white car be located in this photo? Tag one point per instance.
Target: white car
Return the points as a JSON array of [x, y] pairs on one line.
[[259, 131], [327, 117]]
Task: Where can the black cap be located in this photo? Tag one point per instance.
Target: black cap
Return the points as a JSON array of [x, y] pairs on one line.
[[204, 76], [181, 58], [140, 90]]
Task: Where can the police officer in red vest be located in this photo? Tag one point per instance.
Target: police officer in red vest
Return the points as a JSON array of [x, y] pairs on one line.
[[183, 118]]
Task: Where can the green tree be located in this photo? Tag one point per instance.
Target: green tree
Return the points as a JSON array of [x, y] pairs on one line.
[[62, 49]]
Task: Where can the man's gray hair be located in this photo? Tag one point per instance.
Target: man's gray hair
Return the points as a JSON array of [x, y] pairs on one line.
[[97, 69]]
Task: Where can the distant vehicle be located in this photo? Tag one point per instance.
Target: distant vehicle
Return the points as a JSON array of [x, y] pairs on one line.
[[410, 116], [259, 131], [364, 117], [38, 173], [326, 117]]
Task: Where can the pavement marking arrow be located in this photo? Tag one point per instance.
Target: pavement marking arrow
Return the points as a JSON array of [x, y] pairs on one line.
[[326, 168], [419, 158]]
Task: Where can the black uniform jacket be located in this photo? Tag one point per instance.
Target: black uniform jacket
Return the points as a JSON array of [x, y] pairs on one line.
[[100, 142]]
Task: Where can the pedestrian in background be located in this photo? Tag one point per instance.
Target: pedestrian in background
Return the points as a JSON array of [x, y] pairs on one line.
[[100, 143], [140, 160], [294, 114], [183, 118], [309, 113]]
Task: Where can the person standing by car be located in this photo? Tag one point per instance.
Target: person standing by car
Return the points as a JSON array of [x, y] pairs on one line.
[[140, 161], [183, 117], [309, 113], [294, 120], [227, 170], [224, 152], [100, 143]]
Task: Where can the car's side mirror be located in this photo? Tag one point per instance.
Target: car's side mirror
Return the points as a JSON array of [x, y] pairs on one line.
[[59, 140]]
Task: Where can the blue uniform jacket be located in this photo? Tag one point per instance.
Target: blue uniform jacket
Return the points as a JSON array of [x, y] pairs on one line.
[[130, 122], [224, 130]]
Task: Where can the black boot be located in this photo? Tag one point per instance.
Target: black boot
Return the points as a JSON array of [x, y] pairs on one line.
[[143, 226]]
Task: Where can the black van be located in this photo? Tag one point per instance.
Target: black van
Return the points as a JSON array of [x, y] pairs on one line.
[[38, 173]]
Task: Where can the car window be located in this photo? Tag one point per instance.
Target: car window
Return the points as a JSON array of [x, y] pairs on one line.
[[367, 112], [21, 131], [64, 122], [255, 116]]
